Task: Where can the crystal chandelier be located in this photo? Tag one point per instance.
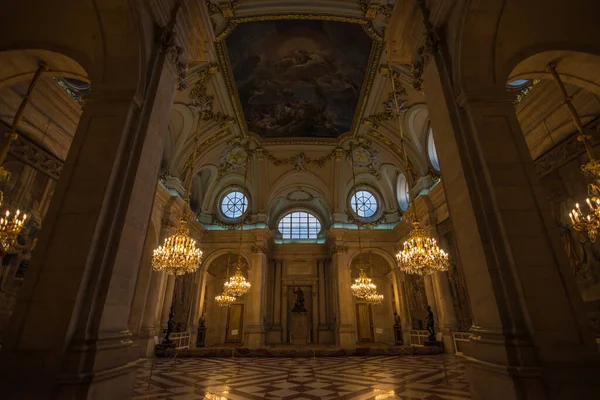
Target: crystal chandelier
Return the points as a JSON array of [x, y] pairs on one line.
[[224, 300], [237, 285], [588, 224], [363, 286], [374, 298], [10, 226], [179, 254], [421, 254]]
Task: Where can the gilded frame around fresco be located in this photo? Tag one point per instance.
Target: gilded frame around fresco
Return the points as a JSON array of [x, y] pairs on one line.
[[370, 73]]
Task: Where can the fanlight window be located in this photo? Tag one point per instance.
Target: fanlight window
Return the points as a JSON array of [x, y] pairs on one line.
[[519, 83], [402, 192], [431, 149], [234, 204], [299, 225], [364, 204]]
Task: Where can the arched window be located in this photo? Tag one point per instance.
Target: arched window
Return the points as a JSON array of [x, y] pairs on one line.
[[518, 84], [364, 204], [234, 204], [402, 192], [299, 225], [433, 157]]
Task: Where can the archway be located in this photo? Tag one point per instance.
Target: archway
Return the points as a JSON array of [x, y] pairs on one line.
[[224, 324], [552, 140]]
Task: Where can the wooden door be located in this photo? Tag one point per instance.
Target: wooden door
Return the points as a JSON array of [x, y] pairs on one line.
[[234, 323], [364, 322]]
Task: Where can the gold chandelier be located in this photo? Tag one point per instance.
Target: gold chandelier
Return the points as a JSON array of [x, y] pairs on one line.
[[375, 299], [11, 225], [224, 300], [237, 285], [363, 286], [586, 223], [179, 254], [421, 254]]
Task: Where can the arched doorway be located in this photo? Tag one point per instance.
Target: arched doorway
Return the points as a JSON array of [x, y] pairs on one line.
[[224, 324]]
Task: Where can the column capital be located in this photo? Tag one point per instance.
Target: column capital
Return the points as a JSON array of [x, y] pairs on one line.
[[258, 249], [339, 250]]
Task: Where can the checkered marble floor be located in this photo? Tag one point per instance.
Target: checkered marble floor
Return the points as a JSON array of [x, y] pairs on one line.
[[407, 378]]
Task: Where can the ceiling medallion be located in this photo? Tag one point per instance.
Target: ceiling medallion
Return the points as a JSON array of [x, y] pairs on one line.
[[299, 195]]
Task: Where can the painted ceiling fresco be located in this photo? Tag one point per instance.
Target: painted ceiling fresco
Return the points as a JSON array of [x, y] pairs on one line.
[[299, 78]]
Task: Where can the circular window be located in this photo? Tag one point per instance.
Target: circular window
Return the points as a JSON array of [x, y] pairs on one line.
[[234, 204], [433, 157], [299, 225], [364, 204], [402, 192]]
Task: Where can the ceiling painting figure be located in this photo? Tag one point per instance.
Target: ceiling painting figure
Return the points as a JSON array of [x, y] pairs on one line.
[[299, 79]]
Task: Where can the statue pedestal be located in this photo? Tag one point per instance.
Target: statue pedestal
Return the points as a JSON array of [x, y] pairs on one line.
[[299, 328], [398, 335]]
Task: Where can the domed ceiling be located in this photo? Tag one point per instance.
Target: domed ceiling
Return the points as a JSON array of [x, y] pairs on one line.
[[299, 78]]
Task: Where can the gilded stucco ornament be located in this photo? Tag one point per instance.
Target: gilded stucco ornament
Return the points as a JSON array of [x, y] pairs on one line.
[[299, 195], [526, 90], [432, 40], [372, 9], [234, 157], [364, 156], [245, 219], [390, 110], [202, 102], [383, 219]]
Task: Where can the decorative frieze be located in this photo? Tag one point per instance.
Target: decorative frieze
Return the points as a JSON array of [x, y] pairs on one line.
[[564, 152], [36, 157]]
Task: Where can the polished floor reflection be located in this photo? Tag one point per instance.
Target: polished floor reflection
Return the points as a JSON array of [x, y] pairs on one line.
[[408, 377]]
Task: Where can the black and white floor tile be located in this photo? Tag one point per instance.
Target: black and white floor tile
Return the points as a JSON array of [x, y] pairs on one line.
[[407, 378]]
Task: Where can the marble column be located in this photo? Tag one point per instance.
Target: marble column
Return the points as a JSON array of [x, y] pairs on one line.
[[196, 306], [530, 335], [152, 312], [255, 301], [167, 301], [431, 299], [315, 313], [447, 321], [404, 310], [346, 320], [69, 328], [322, 296], [277, 298]]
